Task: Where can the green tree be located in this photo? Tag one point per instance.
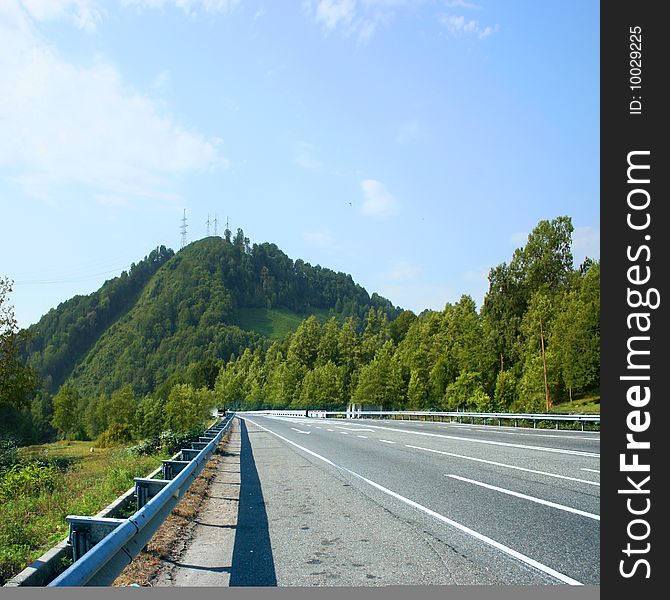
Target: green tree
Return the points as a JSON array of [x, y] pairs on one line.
[[575, 334], [18, 382], [122, 407], [467, 393], [322, 388], [67, 415], [186, 407]]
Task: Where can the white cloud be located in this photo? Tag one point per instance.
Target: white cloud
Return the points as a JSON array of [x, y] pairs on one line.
[[459, 25], [519, 239], [85, 14], [419, 296], [190, 7], [162, 81], [403, 270], [358, 18], [377, 201], [305, 158], [63, 124], [460, 4], [323, 239], [479, 275], [332, 13], [407, 132]]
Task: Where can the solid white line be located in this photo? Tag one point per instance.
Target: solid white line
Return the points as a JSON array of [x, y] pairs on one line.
[[362, 436], [531, 498], [481, 537], [490, 442], [498, 428], [591, 470], [387, 441], [491, 462]]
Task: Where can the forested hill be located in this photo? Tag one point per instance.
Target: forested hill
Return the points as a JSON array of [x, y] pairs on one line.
[[211, 300]]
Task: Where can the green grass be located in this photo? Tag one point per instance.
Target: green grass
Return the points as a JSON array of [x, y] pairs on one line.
[[34, 521], [588, 405], [274, 323]]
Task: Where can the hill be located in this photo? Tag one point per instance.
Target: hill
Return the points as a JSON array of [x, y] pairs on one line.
[[211, 300]]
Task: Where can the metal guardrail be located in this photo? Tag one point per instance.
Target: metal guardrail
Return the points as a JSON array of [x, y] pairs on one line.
[[433, 416], [103, 547]]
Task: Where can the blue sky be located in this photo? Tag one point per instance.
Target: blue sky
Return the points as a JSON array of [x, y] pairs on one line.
[[412, 144]]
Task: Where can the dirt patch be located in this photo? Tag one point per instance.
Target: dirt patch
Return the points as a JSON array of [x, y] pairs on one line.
[[175, 534]]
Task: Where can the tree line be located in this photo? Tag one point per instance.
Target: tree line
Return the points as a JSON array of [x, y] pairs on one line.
[[534, 343]]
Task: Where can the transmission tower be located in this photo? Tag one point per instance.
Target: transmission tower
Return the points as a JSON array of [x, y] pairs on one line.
[[208, 225], [216, 224], [183, 229]]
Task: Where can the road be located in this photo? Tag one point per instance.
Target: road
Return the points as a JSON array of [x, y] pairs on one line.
[[365, 502]]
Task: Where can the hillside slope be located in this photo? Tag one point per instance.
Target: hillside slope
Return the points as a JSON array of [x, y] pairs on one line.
[[210, 300]]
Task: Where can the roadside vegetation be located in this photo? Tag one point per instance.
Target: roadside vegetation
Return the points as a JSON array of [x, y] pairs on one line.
[[48, 482]]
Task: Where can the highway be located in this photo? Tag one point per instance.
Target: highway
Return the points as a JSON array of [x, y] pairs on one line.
[[367, 502]]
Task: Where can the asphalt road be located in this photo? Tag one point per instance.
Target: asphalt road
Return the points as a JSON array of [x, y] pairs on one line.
[[366, 502]]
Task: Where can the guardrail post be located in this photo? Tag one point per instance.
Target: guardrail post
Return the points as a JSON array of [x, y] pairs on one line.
[[172, 467], [146, 489], [86, 532], [189, 454]]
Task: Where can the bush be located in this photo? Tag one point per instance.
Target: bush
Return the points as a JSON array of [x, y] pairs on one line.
[[171, 441], [115, 435], [21, 481], [9, 454], [145, 447]]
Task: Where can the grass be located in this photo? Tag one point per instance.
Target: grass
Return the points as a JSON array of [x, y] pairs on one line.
[[584, 406], [86, 483], [274, 323]]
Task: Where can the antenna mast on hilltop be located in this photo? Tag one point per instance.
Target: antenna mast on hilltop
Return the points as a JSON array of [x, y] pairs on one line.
[[183, 229], [208, 225], [216, 224]]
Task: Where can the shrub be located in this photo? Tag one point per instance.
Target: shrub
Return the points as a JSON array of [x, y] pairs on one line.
[[9, 455], [27, 480], [116, 434], [145, 447]]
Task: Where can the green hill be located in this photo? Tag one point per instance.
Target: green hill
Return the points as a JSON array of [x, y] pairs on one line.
[[211, 300]]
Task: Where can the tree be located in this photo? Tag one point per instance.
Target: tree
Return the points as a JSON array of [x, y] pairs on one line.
[[187, 408], [321, 388], [67, 413], [17, 381], [576, 333], [122, 407]]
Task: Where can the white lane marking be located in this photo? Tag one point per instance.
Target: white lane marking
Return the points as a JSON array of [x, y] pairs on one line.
[[353, 428], [481, 537], [362, 436], [498, 429], [590, 470], [387, 441], [301, 431], [318, 427], [328, 429], [491, 462], [524, 497], [490, 442], [344, 432]]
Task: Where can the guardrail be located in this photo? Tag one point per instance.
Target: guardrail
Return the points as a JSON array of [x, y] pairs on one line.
[[442, 416], [104, 546]]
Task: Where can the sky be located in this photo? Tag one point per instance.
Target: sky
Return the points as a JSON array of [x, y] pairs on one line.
[[413, 144]]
